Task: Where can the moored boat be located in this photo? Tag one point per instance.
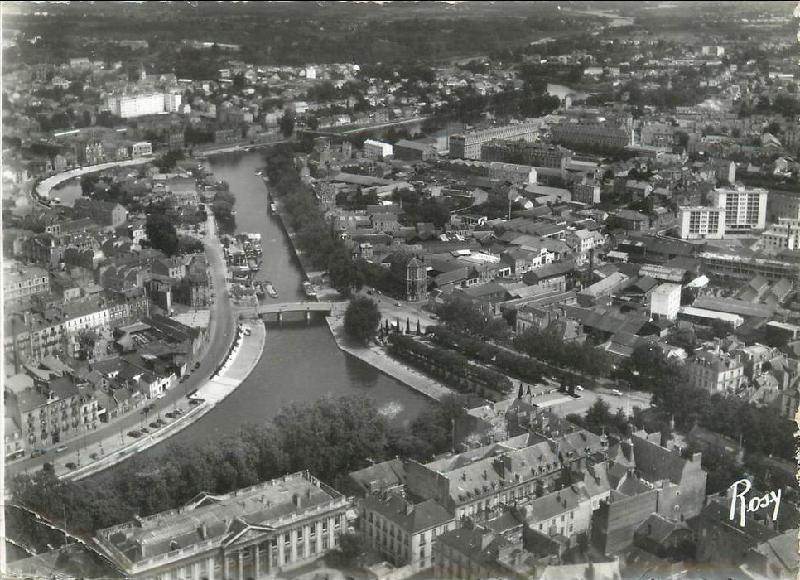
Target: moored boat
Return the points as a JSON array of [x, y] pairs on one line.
[[309, 289], [271, 290]]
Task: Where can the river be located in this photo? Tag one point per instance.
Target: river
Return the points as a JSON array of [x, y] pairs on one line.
[[301, 362]]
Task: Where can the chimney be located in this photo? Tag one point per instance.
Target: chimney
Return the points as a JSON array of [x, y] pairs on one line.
[[297, 500], [409, 508], [202, 531]]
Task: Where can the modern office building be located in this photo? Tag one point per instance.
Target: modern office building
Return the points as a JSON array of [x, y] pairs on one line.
[[256, 532]]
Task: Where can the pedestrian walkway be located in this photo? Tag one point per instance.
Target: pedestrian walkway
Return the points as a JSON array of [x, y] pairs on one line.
[[117, 447]]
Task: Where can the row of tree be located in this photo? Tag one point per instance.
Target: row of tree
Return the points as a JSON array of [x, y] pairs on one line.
[[329, 437], [546, 345], [452, 368], [314, 237]]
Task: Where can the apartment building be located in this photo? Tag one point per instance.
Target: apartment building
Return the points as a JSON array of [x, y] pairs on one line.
[[56, 408], [599, 136], [715, 371], [745, 207], [256, 532], [785, 235], [783, 204], [701, 223], [468, 145], [377, 149], [132, 106], [586, 191], [534, 154], [21, 282], [402, 531]]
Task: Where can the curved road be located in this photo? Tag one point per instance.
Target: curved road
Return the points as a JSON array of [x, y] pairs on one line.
[[222, 331]]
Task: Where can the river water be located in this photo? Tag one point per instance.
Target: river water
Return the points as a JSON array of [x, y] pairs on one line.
[[301, 361]]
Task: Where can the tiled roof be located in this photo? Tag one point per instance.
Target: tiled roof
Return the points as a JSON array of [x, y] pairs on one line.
[[408, 516]]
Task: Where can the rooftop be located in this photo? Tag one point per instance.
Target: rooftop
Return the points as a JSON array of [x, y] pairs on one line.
[[209, 517]]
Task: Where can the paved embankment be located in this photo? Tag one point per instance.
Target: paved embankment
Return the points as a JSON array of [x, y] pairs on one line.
[[242, 360], [44, 186], [376, 357]]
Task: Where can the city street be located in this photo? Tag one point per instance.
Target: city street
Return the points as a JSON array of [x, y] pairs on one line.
[[222, 331], [627, 401], [395, 310]]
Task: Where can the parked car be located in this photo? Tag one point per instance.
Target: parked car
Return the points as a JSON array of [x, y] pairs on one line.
[[71, 465], [61, 449], [578, 388], [616, 392], [134, 434]]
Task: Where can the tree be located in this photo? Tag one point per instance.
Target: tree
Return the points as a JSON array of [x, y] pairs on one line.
[[161, 233], [88, 183], [361, 319], [286, 123]]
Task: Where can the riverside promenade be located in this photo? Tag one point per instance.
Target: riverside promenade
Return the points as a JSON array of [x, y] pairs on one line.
[[118, 447], [376, 357], [45, 186]]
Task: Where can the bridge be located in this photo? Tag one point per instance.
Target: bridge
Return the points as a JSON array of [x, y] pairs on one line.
[[278, 310]]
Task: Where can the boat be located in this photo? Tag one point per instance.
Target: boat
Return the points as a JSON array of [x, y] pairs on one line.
[[309, 290], [273, 208], [271, 290], [259, 290], [252, 263]]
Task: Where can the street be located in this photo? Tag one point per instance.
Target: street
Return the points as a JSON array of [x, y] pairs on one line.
[[627, 401], [411, 311], [221, 332]]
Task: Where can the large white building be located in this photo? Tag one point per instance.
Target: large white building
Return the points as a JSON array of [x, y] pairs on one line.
[[131, 106], [745, 207], [665, 301], [733, 210], [257, 532], [701, 223], [377, 149]]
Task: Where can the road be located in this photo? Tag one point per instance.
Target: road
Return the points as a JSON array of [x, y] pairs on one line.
[[393, 309], [627, 401], [221, 330]]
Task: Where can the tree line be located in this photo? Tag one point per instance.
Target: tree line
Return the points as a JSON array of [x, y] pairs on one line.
[[314, 237], [546, 345], [329, 437], [453, 368], [762, 429]]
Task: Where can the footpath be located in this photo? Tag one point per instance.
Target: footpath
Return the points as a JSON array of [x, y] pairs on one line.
[[46, 185], [114, 449]]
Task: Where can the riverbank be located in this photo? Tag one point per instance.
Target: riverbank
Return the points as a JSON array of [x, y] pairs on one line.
[[45, 186], [373, 356], [242, 360], [376, 357]]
